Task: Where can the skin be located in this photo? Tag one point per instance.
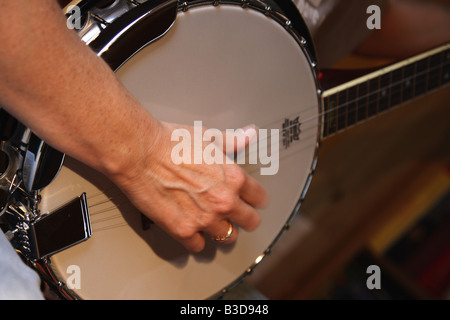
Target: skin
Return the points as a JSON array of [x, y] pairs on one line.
[[56, 86]]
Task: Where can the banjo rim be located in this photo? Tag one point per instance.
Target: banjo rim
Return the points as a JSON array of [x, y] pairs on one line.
[[107, 46]]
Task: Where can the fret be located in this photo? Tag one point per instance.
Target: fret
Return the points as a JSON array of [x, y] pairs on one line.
[[330, 104], [374, 96], [362, 101], [341, 110], [446, 68], [421, 80], [332, 114], [408, 82], [385, 92], [325, 118], [383, 89], [352, 93], [434, 78], [396, 87]]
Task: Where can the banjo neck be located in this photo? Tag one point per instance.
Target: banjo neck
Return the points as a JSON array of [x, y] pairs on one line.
[[374, 93]]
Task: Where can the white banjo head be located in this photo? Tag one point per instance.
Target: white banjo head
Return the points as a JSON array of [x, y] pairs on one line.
[[227, 67]]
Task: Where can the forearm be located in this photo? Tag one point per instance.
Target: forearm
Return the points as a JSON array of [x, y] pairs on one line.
[[69, 97], [66, 95]]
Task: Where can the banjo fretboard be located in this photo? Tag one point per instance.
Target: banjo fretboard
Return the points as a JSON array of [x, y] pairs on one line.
[[379, 91]]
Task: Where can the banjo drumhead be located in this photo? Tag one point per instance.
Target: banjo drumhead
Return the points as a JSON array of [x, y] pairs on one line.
[[227, 67]]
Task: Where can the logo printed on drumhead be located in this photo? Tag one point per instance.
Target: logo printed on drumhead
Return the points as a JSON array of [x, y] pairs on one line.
[[242, 146], [291, 131]]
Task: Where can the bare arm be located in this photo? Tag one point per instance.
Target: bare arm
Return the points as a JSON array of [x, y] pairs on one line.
[[60, 89], [54, 84]]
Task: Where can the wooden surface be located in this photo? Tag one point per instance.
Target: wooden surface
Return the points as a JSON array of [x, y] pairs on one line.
[[364, 175]]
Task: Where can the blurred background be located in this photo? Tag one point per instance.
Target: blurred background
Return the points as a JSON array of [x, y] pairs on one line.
[[381, 191]]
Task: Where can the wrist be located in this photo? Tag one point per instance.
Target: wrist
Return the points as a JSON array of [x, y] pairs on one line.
[[131, 153]]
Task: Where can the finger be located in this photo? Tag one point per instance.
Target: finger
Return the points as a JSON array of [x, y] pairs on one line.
[[247, 187], [245, 216], [194, 244], [224, 232], [254, 193]]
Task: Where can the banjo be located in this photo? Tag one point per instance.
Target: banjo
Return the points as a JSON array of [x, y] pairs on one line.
[[226, 63]]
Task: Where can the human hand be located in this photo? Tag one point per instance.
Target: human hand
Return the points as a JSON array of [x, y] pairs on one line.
[[191, 201]]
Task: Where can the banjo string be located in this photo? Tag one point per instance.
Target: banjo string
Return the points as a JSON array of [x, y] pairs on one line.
[[395, 87], [108, 217], [395, 90]]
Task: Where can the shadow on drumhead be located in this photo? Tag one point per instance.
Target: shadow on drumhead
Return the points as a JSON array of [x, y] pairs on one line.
[[121, 213]]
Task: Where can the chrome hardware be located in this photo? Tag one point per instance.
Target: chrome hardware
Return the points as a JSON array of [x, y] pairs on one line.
[[28, 164], [103, 22], [10, 178], [95, 30], [20, 211], [23, 238], [10, 234], [98, 19], [15, 182], [113, 11], [134, 2], [37, 237], [19, 218]]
